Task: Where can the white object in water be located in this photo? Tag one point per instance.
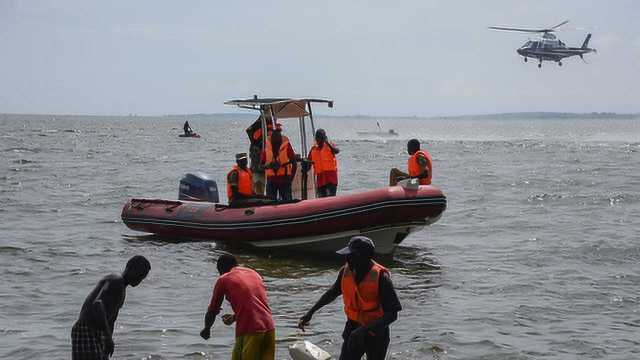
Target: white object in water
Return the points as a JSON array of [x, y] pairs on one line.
[[304, 350]]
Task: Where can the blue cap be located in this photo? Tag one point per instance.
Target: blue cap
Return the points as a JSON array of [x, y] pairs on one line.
[[358, 245]]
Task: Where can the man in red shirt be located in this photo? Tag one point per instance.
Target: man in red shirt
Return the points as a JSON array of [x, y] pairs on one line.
[[244, 289]]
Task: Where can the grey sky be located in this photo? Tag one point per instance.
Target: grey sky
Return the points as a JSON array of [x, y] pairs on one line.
[[420, 57]]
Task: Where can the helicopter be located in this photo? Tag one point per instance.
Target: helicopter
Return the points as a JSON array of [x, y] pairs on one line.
[[548, 47]]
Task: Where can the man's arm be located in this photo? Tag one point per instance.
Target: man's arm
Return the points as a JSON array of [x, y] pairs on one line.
[[232, 180], [333, 147], [325, 299], [213, 310], [294, 163], [107, 294], [423, 162]]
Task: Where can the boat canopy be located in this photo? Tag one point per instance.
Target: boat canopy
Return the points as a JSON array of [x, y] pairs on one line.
[[281, 108]]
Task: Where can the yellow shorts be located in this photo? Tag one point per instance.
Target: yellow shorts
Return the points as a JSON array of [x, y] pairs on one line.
[[255, 346]]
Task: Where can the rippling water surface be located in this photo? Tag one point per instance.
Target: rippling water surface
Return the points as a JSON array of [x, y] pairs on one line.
[[536, 257]]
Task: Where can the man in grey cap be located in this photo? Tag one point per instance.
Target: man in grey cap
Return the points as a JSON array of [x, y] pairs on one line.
[[370, 302]]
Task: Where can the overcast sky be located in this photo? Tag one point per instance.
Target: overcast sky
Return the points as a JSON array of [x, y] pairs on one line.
[[421, 57]]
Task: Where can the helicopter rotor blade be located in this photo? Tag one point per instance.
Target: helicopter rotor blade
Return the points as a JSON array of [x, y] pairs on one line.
[[562, 23], [520, 30]]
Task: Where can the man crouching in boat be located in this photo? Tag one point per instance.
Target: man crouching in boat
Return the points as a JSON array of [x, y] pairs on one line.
[[240, 182], [92, 334], [244, 289], [370, 302]]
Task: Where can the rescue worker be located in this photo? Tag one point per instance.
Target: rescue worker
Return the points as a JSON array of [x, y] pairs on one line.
[[279, 163], [419, 166], [255, 150], [325, 166], [245, 290], [370, 302], [239, 182]]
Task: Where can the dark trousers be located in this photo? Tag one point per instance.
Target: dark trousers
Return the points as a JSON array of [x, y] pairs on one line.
[[279, 191], [375, 346], [327, 190]]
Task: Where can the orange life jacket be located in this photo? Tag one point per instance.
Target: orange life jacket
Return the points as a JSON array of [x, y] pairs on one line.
[[362, 300], [257, 134], [245, 182], [323, 159], [282, 159], [415, 169]]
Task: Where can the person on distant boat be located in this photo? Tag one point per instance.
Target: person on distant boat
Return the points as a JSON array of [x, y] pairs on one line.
[[325, 166], [187, 129], [279, 163], [370, 302], [92, 334], [239, 182], [255, 150], [245, 290], [419, 166]]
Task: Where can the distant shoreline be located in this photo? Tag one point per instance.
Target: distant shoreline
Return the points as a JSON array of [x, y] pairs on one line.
[[511, 115]]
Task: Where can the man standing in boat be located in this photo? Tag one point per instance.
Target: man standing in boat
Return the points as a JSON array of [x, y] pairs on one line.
[[370, 302], [254, 131], [239, 182], [325, 166], [245, 290], [419, 166], [279, 162], [92, 334]]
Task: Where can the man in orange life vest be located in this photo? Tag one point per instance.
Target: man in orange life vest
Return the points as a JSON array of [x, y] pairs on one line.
[[419, 166], [370, 302], [325, 166], [254, 131], [279, 163], [239, 182]]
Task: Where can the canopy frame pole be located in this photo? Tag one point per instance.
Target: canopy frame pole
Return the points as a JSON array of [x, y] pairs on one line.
[[263, 124], [303, 146], [265, 134], [313, 126]]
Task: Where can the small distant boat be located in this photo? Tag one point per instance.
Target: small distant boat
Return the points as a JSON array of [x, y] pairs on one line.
[[389, 133], [193, 135], [379, 133]]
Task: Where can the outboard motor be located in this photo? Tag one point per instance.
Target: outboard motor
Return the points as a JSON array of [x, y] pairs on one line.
[[198, 187]]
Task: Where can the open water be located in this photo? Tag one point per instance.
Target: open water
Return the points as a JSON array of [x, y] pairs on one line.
[[536, 257]]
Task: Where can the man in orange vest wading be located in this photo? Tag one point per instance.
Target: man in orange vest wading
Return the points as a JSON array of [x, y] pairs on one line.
[[325, 166], [279, 163], [419, 166], [370, 302], [239, 182]]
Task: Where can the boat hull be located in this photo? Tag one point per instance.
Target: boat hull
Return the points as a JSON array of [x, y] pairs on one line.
[[387, 215]]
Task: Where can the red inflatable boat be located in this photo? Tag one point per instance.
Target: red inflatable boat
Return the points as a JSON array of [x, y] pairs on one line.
[[385, 215]]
